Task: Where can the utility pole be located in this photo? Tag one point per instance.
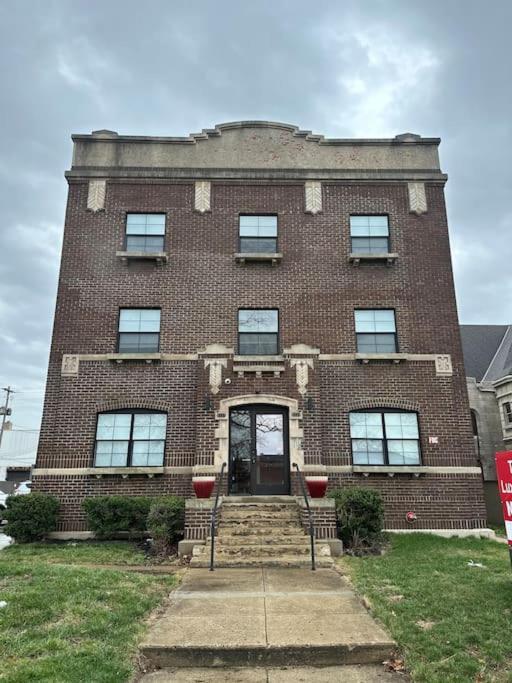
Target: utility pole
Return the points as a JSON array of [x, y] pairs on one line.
[[5, 410]]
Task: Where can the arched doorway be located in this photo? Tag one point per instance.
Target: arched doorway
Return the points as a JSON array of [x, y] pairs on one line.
[[259, 451]]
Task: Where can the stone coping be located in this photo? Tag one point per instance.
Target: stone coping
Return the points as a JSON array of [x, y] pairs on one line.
[[312, 470]]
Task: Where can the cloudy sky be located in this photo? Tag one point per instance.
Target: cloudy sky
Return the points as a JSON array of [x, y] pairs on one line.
[[163, 67]]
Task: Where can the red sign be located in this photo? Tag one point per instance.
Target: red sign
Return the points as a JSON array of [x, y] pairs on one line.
[[504, 472]]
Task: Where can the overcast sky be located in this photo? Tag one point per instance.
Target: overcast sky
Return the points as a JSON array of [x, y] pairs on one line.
[[161, 67]]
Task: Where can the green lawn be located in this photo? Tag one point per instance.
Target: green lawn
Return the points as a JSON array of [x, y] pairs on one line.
[[69, 623], [452, 622]]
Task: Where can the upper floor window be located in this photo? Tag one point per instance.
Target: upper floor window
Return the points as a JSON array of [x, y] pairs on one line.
[[385, 438], [375, 330], [133, 438], [369, 234], [258, 234], [507, 412], [139, 330], [145, 232], [258, 332]]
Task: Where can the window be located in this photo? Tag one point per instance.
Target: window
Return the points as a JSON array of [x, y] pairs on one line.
[[145, 232], [130, 439], [375, 331], [507, 412], [258, 332], [384, 438], [258, 234], [369, 234], [139, 330]]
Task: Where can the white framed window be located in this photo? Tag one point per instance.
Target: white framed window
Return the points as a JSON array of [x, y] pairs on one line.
[[258, 234], [139, 330], [384, 437], [145, 232], [375, 330], [130, 438], [369, 234]]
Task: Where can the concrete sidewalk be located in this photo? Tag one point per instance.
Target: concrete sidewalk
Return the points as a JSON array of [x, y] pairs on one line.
[[264, 618]]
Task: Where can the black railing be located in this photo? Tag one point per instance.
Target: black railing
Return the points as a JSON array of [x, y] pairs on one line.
[[310, 515], [213, 524]]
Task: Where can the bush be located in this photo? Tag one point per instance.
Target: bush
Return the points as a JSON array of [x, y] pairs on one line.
[[31, 517], [360, 514], [108, 516], [165, 522]]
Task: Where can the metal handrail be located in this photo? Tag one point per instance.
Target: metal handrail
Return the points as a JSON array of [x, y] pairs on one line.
[[310, 515], [214, 516]]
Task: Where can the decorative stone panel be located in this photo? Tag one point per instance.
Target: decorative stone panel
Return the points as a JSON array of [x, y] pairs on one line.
[[70, 365], [96, 195], [302, 372], [202, 196], [417, 198], [313, 196], [215, 379], [444, 364]]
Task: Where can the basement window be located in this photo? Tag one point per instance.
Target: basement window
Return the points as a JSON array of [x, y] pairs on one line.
[[130, 438]]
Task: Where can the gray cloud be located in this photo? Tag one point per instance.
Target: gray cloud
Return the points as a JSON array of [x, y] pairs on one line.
[[373, 68]]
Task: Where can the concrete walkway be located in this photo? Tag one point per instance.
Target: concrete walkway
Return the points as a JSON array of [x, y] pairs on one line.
[[264, 618]]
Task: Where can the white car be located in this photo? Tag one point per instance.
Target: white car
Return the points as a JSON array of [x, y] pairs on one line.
[[3, 498], [23, 488]]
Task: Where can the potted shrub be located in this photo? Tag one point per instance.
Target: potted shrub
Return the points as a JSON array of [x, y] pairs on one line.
[[317, 485], [203, 486]]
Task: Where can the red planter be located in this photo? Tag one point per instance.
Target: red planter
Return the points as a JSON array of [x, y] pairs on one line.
[[203, 486], [317, 486]]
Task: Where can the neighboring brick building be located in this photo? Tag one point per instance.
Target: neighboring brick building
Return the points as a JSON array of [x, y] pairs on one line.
[[265, 291], [487, 353]]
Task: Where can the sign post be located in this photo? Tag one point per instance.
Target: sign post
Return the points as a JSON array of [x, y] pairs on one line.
[[504, 472]]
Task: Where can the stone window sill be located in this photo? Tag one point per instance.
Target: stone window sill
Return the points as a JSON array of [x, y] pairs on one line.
[[276, 370], [160, 257], [125, 471], [127, 357], [258, 258], [390, 470], [258, 359], [357, 259], [375, 357]]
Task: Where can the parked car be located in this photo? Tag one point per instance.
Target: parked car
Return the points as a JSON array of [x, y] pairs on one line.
[[3, 498], [23, 488]]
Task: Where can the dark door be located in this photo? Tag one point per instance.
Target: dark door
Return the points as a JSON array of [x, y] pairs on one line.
[[258, 451]]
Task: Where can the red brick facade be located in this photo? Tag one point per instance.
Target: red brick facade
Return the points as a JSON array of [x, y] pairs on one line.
[[316, 290]]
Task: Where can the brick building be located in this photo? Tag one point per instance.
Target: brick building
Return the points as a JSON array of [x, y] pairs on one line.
[[258, 296]]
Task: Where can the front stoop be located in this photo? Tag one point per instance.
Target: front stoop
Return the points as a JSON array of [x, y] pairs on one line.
[[266, 532], [265, 618]]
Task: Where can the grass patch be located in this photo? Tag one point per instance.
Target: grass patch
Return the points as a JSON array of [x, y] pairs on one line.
[[69, 623], [79, 552], [452, 622]]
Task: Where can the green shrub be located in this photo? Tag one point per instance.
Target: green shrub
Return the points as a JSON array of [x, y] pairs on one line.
[[165, 522], [360, 513], [31, 517], [108, 516]]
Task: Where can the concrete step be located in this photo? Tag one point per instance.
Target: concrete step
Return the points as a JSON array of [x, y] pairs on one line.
[[281, 562], [259, 500], [270, 516], [348, 673], [259, 531], [276, 538], [253, 550], [259, 522]]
